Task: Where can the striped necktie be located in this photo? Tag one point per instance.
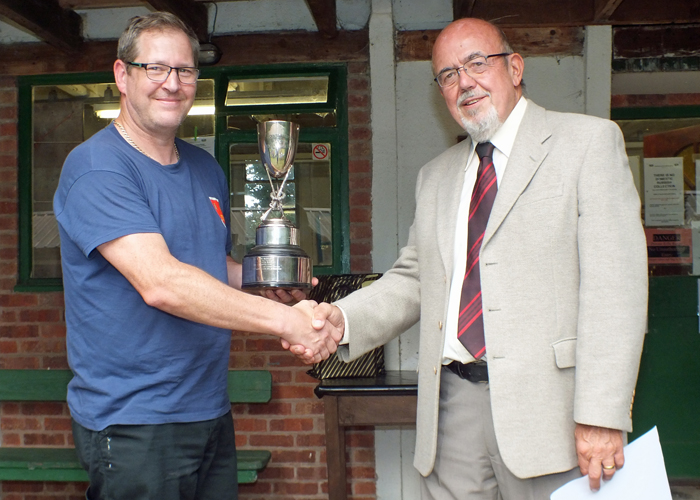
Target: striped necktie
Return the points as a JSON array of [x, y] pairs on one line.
[[471, 322]]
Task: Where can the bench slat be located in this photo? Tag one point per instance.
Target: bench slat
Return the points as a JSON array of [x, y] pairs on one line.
[[61, 464], [244, 386]]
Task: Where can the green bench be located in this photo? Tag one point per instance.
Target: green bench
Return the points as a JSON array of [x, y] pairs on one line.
[[61, 464]]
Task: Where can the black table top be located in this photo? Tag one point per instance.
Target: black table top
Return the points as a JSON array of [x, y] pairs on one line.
[[395, 383]]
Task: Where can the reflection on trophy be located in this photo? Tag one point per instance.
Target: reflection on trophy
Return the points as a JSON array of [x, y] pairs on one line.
[[277, 260]]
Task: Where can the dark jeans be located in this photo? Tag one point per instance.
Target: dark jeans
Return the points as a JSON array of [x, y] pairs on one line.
[[188, 461]]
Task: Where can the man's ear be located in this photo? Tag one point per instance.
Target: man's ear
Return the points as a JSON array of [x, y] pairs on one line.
[[516, 67], [120, 75]]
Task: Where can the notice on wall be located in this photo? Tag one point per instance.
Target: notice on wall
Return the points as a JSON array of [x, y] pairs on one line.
[[663, 192], [669, 246]]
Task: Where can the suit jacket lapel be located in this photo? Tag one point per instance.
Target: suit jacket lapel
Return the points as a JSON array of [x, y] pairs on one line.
[[526, 157]]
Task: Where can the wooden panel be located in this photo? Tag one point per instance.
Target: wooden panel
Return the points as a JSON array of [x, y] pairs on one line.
[[249, 386], [656, 41], [34, 385], [418, 45], [192, 13], [323, 12], [377, 410]]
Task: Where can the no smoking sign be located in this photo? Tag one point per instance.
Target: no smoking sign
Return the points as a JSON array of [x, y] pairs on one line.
[[320, 151]]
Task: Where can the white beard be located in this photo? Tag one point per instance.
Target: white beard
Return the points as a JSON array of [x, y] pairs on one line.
[[482, 130]]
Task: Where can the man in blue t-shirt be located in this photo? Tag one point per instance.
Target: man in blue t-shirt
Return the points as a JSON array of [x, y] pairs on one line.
[[151, 293]]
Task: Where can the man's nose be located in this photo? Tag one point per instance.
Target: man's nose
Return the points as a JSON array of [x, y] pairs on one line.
[[466, 81], [172, 83]]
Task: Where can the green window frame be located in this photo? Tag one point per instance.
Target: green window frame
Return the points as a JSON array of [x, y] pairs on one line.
[[336, 136]]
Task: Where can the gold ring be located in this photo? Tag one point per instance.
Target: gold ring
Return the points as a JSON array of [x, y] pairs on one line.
[[609, 467]]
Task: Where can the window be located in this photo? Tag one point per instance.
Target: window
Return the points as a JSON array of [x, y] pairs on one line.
[[663, 145], [58, 112]]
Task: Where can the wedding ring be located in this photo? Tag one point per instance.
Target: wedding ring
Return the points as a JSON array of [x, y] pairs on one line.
[[609, 467]]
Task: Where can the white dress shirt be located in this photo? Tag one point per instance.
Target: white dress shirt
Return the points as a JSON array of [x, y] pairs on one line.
[[503, 141]]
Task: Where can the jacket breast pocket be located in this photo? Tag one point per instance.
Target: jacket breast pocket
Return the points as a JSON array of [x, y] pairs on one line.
[[540, 193], [565, 352]]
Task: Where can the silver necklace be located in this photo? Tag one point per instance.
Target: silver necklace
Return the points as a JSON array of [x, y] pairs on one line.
[[131, 142]]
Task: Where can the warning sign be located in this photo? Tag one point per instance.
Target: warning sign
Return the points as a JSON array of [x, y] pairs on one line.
[[320, 151]]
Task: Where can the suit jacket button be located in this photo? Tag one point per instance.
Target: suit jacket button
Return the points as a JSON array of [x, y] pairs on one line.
[[435, 370], [440, 325]]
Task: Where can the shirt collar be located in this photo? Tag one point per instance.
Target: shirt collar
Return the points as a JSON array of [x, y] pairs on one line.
[[504, 138]]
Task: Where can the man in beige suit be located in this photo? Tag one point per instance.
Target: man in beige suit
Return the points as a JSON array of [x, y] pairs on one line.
[[563, 290]]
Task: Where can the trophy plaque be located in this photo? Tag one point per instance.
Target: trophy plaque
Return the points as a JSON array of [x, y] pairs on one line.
[[277, 260]]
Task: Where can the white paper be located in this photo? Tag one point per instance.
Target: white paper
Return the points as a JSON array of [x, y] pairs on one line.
[[695, 231], [664, 204], [642, 478]]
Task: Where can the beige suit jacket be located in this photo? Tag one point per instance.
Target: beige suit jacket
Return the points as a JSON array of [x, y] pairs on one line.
[[564, 285]]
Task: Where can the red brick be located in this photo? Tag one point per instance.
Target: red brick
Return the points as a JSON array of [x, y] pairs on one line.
[[8, 347], [273, 472], [273, 408], [358, 101], [360, 149], [43, 408], [54, 362], [314, 407], [364, 488], [54, 330], [361, 248], [40, 316], [10, 408], [7, 129], [281, 376], [21, 424], [286, 359], [23, 363], [57, 424], [293, 392], [360, 215], [44, 440], [271, 440], [302, 456], [250, 425], [296, 488], [51, 299], [359, 439], [311, 440], [359, 133], [360, 166], [359, 116], [18, 331], [10, 440], [360, 199], [8, 113], [292, 425], [359, 181], [361, 472]]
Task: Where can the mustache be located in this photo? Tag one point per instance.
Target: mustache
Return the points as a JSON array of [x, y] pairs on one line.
[[470, 94]]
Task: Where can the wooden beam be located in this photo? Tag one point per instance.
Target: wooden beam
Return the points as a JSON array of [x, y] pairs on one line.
[[47, 20], [462, 8], [539, 41], [323, 12], [100, 4], [631, 42], [238, 50], [604, 9], [191, 12]]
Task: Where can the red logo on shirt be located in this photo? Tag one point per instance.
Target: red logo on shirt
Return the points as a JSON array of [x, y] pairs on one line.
[[217, 207]]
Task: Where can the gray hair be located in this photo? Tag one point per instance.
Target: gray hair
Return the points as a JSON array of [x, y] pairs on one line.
[[127, 49]]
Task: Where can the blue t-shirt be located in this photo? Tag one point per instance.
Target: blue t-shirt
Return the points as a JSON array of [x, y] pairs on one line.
[[135, 364]]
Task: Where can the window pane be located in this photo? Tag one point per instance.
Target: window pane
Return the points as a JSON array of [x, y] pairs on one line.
[[275, 91], [307, 199], [305, 120]]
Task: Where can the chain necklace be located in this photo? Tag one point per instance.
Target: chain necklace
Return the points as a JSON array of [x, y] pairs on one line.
[[131, 142]]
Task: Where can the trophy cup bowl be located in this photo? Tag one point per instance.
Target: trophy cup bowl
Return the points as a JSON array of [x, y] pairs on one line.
[[277, 260]]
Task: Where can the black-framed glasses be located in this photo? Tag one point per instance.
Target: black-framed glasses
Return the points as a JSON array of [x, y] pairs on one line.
[[160, 72], [475, 66]]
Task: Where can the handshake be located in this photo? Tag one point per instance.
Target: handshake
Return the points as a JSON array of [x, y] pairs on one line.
[[316, 331]]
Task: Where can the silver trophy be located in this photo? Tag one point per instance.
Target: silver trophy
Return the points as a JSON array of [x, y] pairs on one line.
[[277, 260]]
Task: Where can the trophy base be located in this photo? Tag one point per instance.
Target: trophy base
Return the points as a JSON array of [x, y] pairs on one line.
[[276, 266]]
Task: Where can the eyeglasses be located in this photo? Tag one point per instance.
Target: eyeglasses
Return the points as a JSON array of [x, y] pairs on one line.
[[161, 72], [477, 65]]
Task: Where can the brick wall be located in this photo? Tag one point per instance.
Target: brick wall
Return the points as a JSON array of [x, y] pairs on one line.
[[32, 335]]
